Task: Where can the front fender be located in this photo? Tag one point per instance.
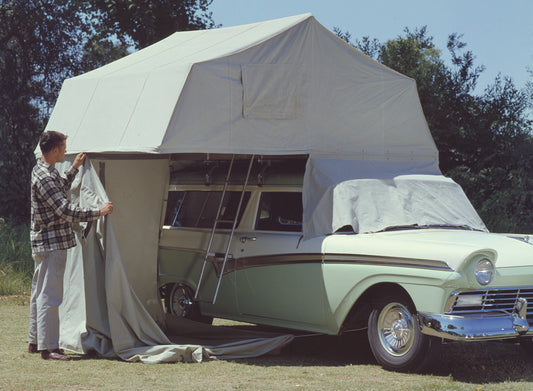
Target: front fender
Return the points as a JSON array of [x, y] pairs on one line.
[[345, 284]]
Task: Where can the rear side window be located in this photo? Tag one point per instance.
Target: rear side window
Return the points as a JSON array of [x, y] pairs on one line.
[[198, 209], [280, 212]]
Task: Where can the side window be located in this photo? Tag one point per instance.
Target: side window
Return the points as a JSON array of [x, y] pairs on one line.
[[198, 209], [280, 212]]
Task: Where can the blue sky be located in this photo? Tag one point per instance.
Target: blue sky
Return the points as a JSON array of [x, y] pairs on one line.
[[498, 32]]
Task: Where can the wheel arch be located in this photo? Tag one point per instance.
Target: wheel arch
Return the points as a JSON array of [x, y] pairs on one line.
[[357, 316]]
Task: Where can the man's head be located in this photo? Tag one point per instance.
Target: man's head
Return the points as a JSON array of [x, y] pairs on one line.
[[53, 145]]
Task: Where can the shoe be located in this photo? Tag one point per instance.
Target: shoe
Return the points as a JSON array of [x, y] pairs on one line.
[[55, 354], [32, 348]]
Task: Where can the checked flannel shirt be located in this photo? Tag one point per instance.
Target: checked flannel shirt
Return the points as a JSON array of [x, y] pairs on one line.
[[52, 214]]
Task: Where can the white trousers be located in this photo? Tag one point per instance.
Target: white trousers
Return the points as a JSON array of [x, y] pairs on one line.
[[46, 296]]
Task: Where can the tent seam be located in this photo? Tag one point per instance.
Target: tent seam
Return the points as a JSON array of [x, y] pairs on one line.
[[133, 110]]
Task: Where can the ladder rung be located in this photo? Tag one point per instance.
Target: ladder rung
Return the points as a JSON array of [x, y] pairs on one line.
[[217, 258], [224, 221]]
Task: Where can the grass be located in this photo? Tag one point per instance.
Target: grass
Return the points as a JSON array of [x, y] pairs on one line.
[[13, 282], [310, 363], [16, 264]]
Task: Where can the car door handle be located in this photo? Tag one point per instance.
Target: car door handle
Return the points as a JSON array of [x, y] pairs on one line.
[[243, 239]]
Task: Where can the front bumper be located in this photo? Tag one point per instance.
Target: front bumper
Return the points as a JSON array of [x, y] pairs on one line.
[[489, 326]]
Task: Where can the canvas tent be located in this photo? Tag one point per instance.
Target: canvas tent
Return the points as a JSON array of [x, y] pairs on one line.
[[287, 86], [281, 87]]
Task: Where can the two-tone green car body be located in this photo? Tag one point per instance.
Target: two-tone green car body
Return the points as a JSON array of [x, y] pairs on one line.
[[410, 286]]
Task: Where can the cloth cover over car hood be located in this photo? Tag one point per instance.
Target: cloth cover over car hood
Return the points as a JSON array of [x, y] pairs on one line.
[[371, 195]]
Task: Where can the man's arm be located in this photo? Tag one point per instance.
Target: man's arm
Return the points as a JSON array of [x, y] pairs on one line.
[[64, 209]]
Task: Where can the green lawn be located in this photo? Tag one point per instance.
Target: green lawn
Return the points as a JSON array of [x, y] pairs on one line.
[[311, 363]]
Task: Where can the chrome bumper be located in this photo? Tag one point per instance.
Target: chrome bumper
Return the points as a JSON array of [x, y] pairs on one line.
[[477, 328]]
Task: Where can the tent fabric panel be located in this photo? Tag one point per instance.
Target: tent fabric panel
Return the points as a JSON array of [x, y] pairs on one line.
[[71, 108], [373, 107], [108, 114], [149, 120], [138, 198], [126, 113], [190, 47], [202, 116]]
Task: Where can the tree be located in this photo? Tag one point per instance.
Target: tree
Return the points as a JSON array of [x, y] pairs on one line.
[[43, 42], [498, 176], [146, 21], [37, 51]]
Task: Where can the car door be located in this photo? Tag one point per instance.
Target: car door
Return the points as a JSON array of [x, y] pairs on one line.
[[278, 274], [186, 234]]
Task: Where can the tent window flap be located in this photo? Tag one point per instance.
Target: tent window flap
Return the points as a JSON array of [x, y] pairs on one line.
[[272, 91]]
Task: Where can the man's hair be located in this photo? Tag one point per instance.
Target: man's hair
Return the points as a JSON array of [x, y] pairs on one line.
[[51, 139]]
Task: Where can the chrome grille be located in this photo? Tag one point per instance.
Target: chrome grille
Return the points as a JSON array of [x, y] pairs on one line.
[[495, 300]]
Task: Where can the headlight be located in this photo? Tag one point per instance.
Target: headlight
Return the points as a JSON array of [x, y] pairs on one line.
[[484, 271]]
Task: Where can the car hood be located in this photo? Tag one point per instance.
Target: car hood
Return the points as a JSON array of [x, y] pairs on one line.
[[451, 246]]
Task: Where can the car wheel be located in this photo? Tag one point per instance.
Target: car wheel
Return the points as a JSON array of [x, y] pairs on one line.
[[180, 302], [395, 337]]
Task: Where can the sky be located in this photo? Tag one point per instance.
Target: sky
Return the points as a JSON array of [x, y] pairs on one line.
[[498, 32]]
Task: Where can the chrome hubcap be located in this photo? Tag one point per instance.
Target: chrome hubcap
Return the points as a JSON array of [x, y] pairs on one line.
[[180, 301], [396, 329]]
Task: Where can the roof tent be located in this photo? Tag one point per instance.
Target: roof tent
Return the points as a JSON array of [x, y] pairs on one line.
[[286, 86]]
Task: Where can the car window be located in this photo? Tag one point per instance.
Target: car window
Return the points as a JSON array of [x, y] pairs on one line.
[[280, 212], [198, 209]]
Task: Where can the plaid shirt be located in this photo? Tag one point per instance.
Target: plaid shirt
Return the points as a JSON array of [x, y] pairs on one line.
[[52, 214]]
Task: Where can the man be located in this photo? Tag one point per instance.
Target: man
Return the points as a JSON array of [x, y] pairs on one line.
[[51, 235]]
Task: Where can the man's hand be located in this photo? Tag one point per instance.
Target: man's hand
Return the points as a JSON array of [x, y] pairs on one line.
[[78, 161], [106, 208]]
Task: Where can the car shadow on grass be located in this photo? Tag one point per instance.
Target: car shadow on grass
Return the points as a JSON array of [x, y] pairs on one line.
[[475, 362], [484, 362]]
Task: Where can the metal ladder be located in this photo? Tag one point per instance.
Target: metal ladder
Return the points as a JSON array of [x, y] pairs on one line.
[[212, 255]]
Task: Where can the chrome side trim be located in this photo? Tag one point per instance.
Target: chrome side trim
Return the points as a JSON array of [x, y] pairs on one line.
[[388, 261], [357, 259]]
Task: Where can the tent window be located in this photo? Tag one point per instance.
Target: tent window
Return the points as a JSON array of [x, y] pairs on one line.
[[272, 91], [280, 212], [198, 209]]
